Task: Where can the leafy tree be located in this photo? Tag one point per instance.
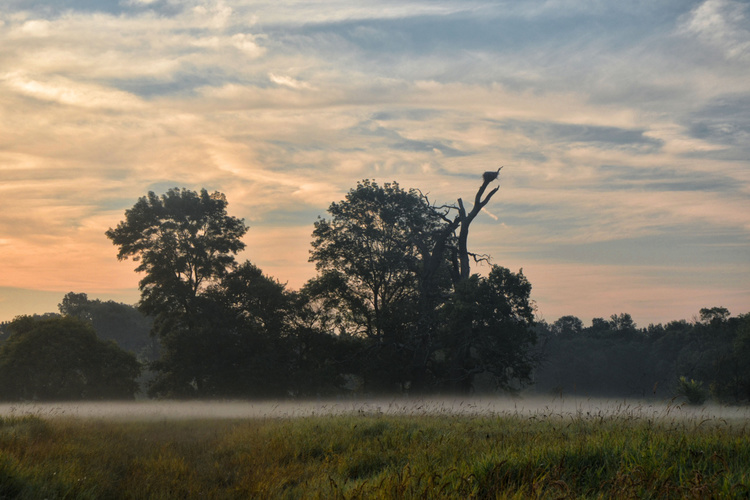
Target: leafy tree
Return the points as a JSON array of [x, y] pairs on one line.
[[375, 256], [77, 305], [622, 322], [568, 326], [487, 330], [61, 358], [111, 320], [692, 390], [389, 263], [368, 254], [714, 316], [185, 243]]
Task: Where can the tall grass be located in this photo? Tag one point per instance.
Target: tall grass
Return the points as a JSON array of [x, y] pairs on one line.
[[370, 455]]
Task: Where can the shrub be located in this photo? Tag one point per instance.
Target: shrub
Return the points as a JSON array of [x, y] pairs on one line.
[[692, 390], [61, 358]]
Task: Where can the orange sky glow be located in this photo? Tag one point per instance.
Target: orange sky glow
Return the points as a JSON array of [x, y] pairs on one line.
[[623, 131]]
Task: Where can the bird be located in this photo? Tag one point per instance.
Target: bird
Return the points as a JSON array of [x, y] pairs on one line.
[[491, 176]]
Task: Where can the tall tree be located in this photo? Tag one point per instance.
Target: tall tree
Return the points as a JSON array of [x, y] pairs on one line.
[[370, 255], [389, 263], [371, 248], [185, 243]]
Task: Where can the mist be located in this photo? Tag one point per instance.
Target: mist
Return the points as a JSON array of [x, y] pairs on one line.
[[532, 408]]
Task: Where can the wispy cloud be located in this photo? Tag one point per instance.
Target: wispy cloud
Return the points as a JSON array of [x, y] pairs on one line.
[[722, 25]]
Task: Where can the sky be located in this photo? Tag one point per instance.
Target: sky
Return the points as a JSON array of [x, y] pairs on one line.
[[623, 129]]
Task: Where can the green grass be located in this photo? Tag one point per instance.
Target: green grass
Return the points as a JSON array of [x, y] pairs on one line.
[[375, 456]]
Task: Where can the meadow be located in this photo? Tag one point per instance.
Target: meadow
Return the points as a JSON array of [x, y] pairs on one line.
[[373, 450]]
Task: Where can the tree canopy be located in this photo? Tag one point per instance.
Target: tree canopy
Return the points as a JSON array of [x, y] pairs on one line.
[[184, 241], [391, 267], [111, 320], [616, 358], [369, 254]]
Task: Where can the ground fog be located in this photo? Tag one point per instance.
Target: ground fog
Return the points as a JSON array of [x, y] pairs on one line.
[[519, 407]]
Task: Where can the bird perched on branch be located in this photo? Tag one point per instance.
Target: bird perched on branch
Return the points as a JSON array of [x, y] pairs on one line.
[[491, 176]]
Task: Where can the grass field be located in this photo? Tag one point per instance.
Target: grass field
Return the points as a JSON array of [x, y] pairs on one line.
[[375, 455]]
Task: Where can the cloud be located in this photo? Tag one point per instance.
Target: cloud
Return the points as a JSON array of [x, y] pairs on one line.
[[622, 128], [665, 179], [722, 25], [572, 133], [70, 93], [724, 120], [287, 81]]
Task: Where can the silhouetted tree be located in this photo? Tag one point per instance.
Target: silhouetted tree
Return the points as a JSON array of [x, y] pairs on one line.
[[714, 316], [371, 258], [389, 261], [615, 358], [185, 243], [622, 322], [61, 358], [487, 330], [111, 320], [567, 326]]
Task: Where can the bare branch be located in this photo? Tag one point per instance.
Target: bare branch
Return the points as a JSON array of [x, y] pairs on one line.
[[480, 257]]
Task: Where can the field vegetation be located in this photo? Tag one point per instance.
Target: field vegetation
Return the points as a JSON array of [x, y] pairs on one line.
[[377, 455]]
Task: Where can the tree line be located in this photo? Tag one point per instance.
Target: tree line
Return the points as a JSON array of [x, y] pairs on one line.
[[394, 307], [706, 357]]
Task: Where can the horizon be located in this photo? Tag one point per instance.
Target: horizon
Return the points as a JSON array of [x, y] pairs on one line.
[[52, 300], [623, 131]]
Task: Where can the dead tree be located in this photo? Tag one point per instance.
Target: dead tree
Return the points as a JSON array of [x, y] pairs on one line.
[[433, 257], [461, 265]]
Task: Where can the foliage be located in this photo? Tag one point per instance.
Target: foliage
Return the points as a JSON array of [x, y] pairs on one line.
[[692, 390], [396, 276], [185, 242], [317, 359], [260, 342], [61, 358], [122, 323], [741, 351], [390, 265], [567, 326], [615, 358], [376, 456], [225, 330], [714, 316], [487, 330], [369, 256]]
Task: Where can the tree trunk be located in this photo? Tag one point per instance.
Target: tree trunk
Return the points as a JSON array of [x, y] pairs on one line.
[[433, 258], [465, 221]]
